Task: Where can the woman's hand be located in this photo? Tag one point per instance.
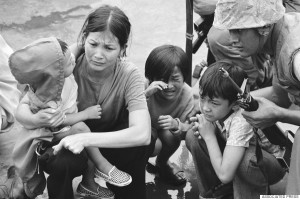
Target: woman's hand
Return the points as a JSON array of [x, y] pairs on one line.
[[93, 112], [202, 128], [167, 122], [266, 115], [74, 143], [154, 87]]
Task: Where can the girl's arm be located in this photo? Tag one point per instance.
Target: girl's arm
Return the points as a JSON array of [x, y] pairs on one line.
[[137, 134], [44, 118], [154, 87], [176, 127], [93, 112]]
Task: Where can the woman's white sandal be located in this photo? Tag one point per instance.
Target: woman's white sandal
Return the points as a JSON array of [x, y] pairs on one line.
[[115, 177]]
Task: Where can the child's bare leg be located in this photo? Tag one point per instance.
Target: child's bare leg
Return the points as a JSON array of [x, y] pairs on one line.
[[88, 177], [170, 144], [97, 158]]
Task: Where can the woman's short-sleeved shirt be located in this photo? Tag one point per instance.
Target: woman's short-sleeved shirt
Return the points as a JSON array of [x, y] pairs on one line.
[[124, 94]]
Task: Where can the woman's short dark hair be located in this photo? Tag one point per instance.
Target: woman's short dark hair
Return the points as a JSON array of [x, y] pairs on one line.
[[213, 84], [162, 60], [104, 18]]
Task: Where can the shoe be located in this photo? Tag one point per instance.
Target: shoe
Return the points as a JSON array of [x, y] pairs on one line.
[[115, 177], [102, 192]]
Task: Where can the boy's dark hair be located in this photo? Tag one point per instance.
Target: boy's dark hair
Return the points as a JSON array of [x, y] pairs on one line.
[[213, 84], [63, 45], [162, 60]]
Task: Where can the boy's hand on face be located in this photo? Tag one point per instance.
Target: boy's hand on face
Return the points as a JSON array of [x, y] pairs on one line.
[[154, 87], [167, 122], [93, 112]]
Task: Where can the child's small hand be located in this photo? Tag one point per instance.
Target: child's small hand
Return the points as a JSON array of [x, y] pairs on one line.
[[49, 117], [154, 87], [167, 122], [94, 112]]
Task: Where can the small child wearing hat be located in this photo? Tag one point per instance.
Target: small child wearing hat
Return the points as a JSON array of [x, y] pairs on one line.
[[46, 66]]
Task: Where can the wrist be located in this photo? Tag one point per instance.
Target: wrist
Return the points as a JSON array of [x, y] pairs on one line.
[[176, 130], [176, 121], [279, 113], [84, 115], [86, 141]]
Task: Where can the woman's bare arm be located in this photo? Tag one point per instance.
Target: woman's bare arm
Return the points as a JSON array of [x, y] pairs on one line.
[[137, 134]]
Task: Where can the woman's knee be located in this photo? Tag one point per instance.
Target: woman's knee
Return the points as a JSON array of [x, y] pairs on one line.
[[65, 162]]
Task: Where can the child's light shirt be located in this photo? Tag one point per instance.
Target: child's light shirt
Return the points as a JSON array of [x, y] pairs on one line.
[[68, 103], [69, 95], [68, 100], [236, 130]]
